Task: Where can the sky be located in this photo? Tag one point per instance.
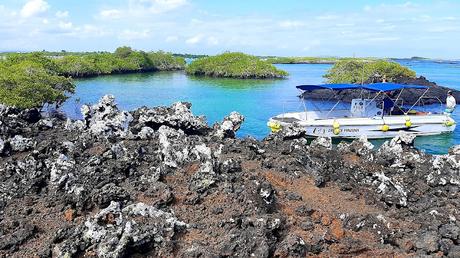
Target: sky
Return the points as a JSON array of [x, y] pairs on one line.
[[261, 27]]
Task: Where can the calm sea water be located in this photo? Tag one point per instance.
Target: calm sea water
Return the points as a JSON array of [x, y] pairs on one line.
[[257, 100]]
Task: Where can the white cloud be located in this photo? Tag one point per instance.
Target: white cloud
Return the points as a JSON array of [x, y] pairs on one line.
[[449, 18], [156, 6], [384, 39], [34, 7], [194, 40], [62, 14], [290, 24], [132, 35], [327, 17], [213, 41], [171, 39], [65, 25], [110, 14]]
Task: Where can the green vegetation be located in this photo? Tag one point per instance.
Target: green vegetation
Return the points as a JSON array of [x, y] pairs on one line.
[[313, 60], [34, 79], [352, 71], [124, 60], [234, 65]]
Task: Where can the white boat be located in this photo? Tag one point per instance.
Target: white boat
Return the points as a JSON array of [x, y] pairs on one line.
[[364, 117]]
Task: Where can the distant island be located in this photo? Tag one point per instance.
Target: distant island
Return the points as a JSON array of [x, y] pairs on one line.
[[313, 60], [234, 65]]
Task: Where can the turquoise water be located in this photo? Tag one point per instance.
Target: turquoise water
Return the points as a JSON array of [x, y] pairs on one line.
[[257, 100]]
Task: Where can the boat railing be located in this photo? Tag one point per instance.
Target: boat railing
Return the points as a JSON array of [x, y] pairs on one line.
[[422, 101]]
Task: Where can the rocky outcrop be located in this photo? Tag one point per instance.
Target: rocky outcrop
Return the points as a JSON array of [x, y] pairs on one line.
[[161, 182]]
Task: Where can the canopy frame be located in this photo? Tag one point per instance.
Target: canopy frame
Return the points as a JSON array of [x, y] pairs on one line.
[[379, 88]]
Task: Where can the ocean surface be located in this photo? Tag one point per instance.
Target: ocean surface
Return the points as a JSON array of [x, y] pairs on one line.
[[257, 100]]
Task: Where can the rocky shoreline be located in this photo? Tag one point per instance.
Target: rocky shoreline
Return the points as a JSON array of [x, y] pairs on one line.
[[160, 182]]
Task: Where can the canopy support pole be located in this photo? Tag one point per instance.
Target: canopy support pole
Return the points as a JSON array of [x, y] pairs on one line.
[[417, 100], [327, 115], [303, 103]]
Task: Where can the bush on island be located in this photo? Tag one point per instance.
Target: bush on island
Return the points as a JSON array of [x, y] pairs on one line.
[[124, 60], [234, 65], [354, 71], [33, 79]]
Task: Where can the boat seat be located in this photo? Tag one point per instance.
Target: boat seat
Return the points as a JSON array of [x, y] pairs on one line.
[[286, 119]]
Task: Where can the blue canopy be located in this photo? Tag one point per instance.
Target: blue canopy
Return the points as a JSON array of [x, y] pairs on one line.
[[343, 86], [386, 86], [370, 87]]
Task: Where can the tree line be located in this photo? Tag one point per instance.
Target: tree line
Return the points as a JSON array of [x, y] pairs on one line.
[[34, 79]]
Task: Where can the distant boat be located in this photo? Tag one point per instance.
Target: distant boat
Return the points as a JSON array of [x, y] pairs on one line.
[[364, 117]]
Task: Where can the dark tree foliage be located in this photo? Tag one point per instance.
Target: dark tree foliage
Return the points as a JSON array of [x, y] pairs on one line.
[[234, 65], [355, 71], [34, 79]]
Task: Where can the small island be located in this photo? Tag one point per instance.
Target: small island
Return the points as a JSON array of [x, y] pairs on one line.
[[313, 60], [29, 80], [234, 65]]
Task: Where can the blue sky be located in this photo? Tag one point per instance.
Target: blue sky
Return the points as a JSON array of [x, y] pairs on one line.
[[268, 27]]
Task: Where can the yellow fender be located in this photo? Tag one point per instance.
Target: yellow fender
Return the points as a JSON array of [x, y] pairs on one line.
[[385, 128], [274, 126], [336, 131], [336, 127], [449, 123], [408, 123]]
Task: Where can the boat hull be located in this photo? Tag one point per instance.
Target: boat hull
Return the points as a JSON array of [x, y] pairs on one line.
[[373, 128]]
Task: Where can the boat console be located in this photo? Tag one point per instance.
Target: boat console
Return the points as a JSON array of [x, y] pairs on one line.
[[364, 108]]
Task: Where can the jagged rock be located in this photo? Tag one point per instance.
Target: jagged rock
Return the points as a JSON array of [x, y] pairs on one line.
[[45, 123], [68, 146], [32, 115], [292, 246], [146, 133], [109, 193], [429, 242], [291, 131], [450, 231], [18, 236], [230, 166], [394, 150], [61, 171], [323, 142], [74, 126], [229, 126], [19, 143], [2, 145], [178, 116], [114, 231], [360, 146], [112, 193], [172, 146], [204, 178], [104, 118], [454, 150]]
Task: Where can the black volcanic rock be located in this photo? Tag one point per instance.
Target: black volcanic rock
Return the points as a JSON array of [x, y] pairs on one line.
[[161, 182]]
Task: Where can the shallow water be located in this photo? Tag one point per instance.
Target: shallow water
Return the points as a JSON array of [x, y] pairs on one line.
[[257, 100]]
